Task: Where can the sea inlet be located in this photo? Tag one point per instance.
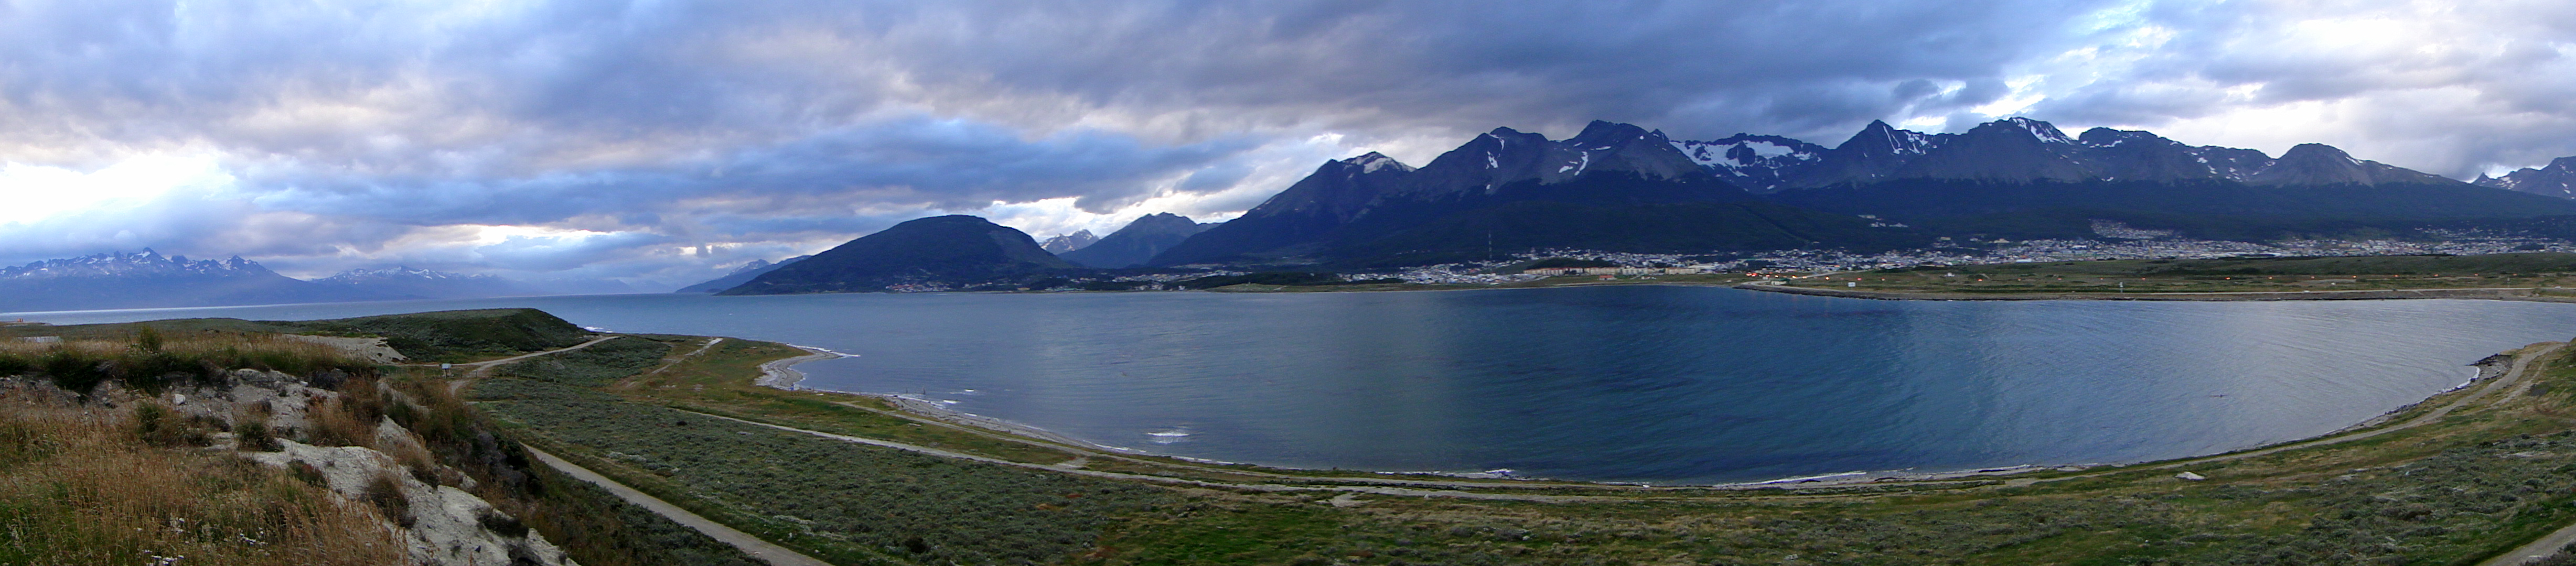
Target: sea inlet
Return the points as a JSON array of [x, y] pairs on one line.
[[1651, 384]]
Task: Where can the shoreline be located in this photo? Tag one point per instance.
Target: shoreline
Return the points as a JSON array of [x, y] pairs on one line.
[[2489, 293], [780, 374]]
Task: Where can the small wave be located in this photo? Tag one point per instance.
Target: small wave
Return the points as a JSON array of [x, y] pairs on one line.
[[1808, 478], [1169, 436], [823, 350]]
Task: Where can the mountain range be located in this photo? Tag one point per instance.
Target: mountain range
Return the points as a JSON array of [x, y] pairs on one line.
[[1068, 242], [741, 275], [1619, 187], [1136, 243], [1623, 188], [2558, 179]]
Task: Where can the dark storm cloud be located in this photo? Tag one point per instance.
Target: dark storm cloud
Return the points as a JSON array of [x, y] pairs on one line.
[[915, 163], [694, 133]]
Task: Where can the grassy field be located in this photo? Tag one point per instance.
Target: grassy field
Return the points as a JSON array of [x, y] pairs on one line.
[[2360, 273], [649, 410], [2499, 471]]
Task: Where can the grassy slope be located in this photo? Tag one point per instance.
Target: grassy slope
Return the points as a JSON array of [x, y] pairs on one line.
[[82, 483], [2478, 482], [443, 336]]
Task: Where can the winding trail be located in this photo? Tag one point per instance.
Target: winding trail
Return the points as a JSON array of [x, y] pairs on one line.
[[752, 545], [483, 369]]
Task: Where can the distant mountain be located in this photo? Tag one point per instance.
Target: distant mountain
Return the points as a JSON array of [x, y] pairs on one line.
[[2558, 179], [740, 275], [579, 286], [941, 251], [148, 280], [1618, 187], [1355, 211], [2022, 150], [1136, 243], [409, 283], [1069, 242]]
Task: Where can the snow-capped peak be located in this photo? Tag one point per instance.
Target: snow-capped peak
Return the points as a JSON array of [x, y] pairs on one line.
[[2047, 133], [1371, 162], [144, 263], [398, 272], [1742, 151]]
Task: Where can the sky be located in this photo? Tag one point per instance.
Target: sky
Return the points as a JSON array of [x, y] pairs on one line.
[[664, 142]]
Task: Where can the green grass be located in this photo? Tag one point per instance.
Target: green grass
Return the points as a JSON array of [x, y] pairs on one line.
[[923, 508], [596, 364]]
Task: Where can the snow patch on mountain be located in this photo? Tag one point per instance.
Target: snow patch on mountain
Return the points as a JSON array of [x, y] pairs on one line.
[[145, 263]]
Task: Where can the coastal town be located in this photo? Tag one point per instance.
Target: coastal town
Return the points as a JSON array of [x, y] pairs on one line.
[[1968, 252]]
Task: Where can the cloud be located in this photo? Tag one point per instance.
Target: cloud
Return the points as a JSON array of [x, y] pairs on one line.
[[659, 141]]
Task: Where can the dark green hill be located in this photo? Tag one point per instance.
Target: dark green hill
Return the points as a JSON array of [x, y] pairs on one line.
[[944, 251], [427, 336]]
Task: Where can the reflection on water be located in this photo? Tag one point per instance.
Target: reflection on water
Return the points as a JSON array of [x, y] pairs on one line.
[[1664, 384]]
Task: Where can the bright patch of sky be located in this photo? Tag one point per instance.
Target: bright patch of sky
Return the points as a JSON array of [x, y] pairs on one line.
[[38, 192]]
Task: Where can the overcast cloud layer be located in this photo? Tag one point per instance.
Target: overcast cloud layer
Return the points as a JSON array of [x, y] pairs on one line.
[[661, 142]]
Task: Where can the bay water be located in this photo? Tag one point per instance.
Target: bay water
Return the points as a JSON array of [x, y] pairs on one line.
[[1625, 383]]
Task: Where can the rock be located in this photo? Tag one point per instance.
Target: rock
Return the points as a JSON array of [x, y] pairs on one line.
[[2188, 476], [448, 526]]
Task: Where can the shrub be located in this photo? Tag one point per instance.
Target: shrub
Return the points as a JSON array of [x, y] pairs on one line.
[[500, 524], [252, 435], [158, 426], [385, 493]]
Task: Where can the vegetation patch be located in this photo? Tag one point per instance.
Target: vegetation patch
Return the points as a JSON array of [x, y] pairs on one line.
[[596, 364], [926, 509]]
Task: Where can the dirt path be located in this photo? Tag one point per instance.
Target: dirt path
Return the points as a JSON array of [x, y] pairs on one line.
[[761, 549], [483, 369], [675, 362], [2547, 546]]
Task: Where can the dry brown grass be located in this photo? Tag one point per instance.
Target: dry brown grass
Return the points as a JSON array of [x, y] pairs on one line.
[[79, 485], [193, 345]]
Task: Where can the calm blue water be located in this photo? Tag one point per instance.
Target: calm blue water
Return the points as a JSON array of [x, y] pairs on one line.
[[1661, 384]]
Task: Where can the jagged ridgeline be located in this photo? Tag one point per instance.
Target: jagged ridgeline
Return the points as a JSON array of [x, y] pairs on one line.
[[1618, 187]]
